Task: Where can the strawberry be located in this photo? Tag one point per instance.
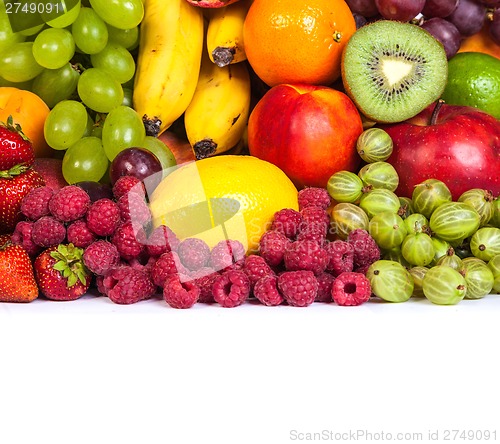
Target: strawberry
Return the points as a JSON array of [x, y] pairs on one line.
[[14, 185], [17, 281], [61, 274], [15, 147]]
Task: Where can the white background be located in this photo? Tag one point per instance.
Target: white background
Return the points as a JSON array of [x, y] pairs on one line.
[[90, 371]]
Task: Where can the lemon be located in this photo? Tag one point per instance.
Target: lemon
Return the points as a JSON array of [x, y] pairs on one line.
[[474, 80], [223, 197]]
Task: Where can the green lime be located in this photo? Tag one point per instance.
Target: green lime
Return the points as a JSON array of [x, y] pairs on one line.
[[474, 80]]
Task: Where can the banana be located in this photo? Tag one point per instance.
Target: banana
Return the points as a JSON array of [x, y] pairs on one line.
[[168, 64], [216, 118], [225, 33]]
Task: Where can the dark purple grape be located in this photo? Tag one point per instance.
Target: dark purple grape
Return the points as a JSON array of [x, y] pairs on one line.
[[439, 8], [366, 8], [96, 190], [495, 27], [469, 17], [490, 3], [137, 162], [402, 10], [444, 32], [359, 19]]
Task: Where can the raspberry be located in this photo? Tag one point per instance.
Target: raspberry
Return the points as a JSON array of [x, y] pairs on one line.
[[22, 236], [314, 197], [231, 288], [340, 257], [124, 285], [312, 233], [128, 241], [266, 291], [48, 231], [128, 184], [255, 267], [166, 265], [227, 253], [272, 247], [69, 203], [299, 288], [315, 217], [36, 203], [305, 255], [325, 282], [287, 221], [100, 257], [179, 294], [161, 240], [194, 253], [79, 234], [134, 208], [103, 217], [204, 279], [351, 289], [99, 283], [366, 250], [363, 269]]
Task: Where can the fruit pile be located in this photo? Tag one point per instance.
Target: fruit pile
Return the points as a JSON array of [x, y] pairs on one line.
[[218, 151]]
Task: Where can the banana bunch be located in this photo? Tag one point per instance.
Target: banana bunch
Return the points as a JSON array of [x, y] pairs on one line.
[[225, 33], [169, 58]]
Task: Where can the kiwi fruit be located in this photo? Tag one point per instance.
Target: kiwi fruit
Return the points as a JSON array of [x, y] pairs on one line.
[[393, 70]]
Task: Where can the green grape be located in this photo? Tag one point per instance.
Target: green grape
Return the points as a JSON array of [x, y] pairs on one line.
[[451, 259], [485, 243], [495, 218], [89, 31], [17, 63], [160, 150], [116, 61], [441, 247], [416, 223], [128, 96], [20, 85], [123, 128], [378, 200], [390, 281], [85, 160], [65, 124], [7, 36], [443, 285], [454, 221], [32, 31], [122, 14], [347, 217], [96, 131], [344, 186], [99, 91], [479, 279], [417, 249], [89, 127], [128, 38], [55, 85], [388, 229], [418, 273], [379, 175], [481, 201], [72, 8], [428, 195], [374, 145], [53, 48]]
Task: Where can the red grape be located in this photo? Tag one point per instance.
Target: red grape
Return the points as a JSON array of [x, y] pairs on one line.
[[490, 3], [446, 33], [469, 17], [439, 8], [495, 27], [96, 190], [402, 10], [366, 8]]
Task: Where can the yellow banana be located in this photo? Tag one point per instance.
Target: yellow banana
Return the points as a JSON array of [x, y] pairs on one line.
[[225, 33], [216, 118], [168, 64]]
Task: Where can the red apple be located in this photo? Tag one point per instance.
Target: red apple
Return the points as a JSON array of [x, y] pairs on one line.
[[308, 131], [458, 145]]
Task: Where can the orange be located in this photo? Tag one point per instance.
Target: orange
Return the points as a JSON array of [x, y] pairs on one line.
[[223, 197], [292, 41], [481, 42], [30, 112]]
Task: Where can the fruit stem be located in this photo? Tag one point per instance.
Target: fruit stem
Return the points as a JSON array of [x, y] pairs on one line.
[[435, 112]]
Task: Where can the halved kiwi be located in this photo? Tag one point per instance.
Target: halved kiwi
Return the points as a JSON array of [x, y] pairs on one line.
[[393, 70]]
